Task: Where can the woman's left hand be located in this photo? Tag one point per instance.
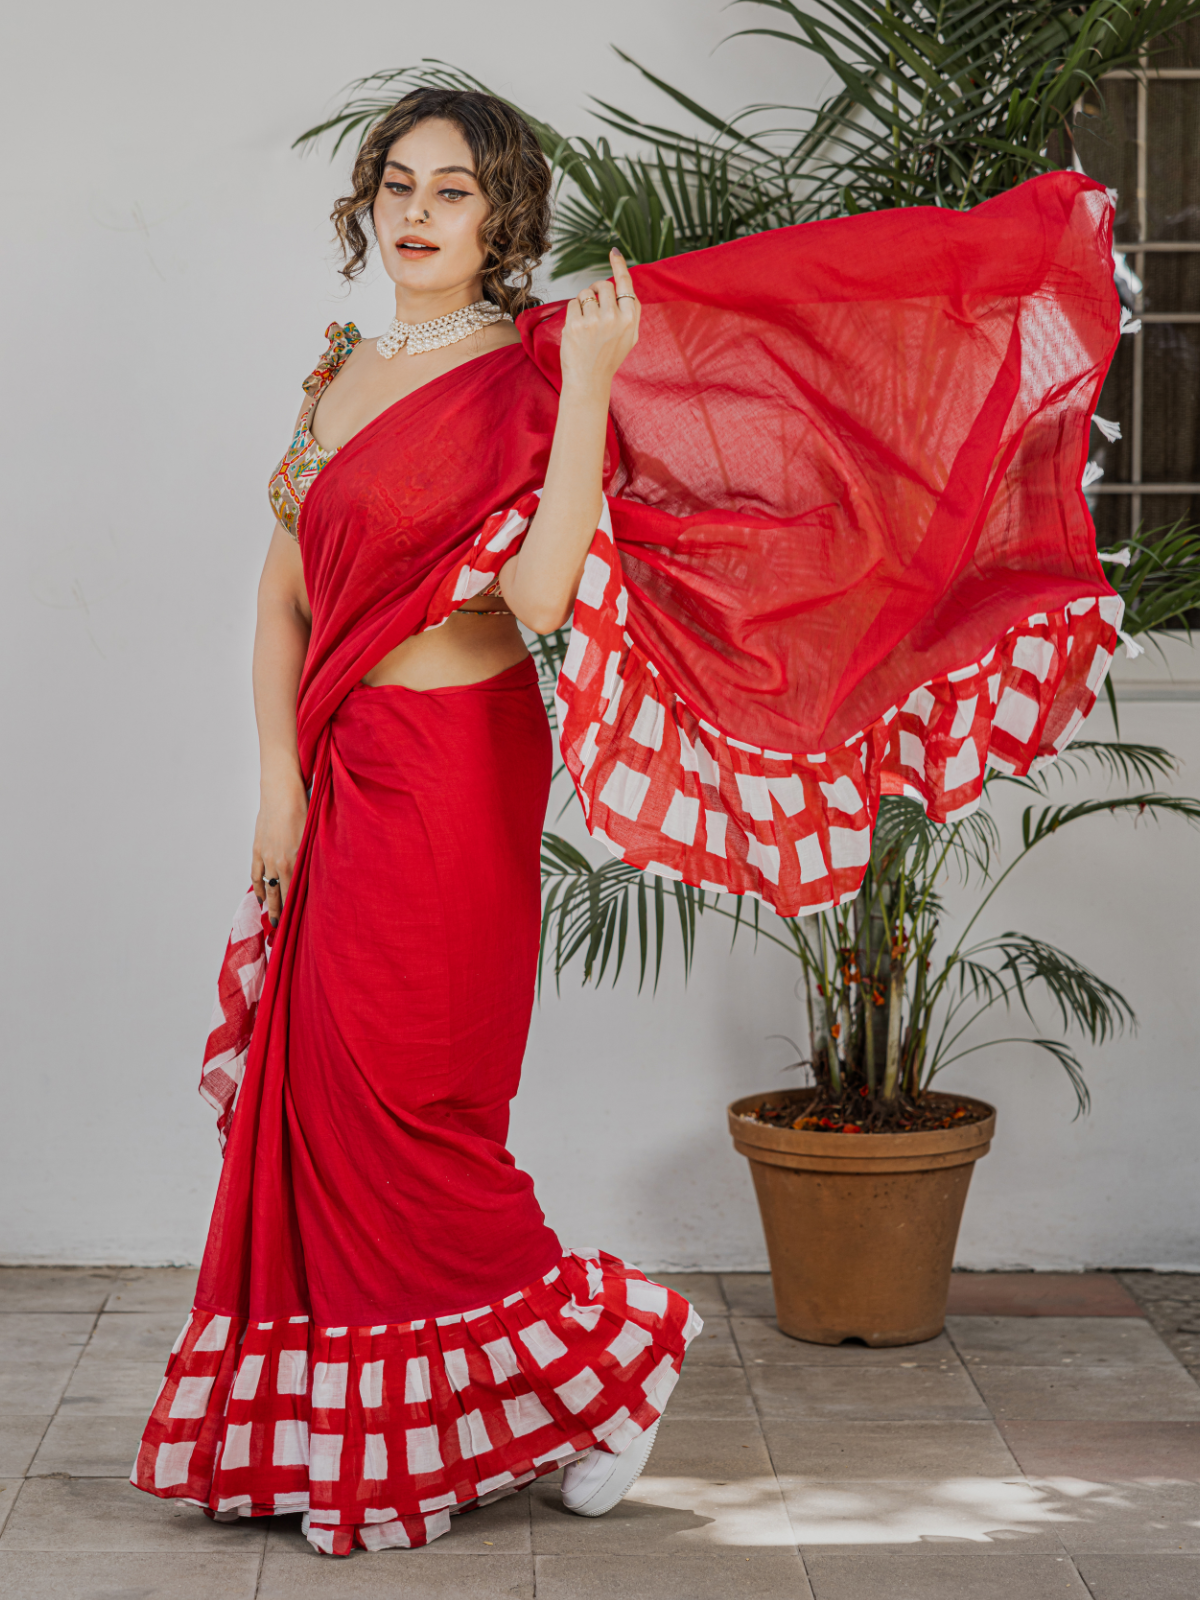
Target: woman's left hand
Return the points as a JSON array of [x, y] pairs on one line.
[[600, 330]]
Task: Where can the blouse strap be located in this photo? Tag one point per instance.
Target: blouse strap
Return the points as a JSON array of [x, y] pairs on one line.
[[341, 342]]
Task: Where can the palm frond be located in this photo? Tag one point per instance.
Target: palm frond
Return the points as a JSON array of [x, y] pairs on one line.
[[378, 92], [1083, 1000], [591, 912], [1119, 762], [1062, 1053], [950, 103], [1161, 584], [1037, 828], [903, 833]]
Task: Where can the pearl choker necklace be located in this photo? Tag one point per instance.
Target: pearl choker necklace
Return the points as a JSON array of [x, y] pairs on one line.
[[422, 336]]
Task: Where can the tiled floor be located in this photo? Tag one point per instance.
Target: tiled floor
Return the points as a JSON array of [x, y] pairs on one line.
[[1046, 1445]]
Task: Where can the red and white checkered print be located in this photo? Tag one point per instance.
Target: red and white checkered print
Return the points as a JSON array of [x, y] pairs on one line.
[[381, 1433], [673, 795], [239, 989]]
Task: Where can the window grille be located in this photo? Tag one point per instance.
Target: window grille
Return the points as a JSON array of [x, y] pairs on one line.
[[1144, 141]]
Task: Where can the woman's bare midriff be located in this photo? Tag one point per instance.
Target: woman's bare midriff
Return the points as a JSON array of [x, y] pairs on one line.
[[466, 649]]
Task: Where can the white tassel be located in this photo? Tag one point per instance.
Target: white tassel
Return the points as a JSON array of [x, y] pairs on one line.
[[1092, 474], [1121, 557], [1110, 430], [1112, 197], [1129, 323], [1132, 648]]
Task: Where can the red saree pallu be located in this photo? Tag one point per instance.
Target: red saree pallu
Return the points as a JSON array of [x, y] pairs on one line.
[[844, 552]]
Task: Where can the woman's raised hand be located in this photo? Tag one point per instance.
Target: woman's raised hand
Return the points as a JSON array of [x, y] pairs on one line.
[[600, 331], [277, 834]]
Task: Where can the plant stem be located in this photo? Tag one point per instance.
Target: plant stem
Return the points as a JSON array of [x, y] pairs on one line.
[[835, 1070], [808, 1002], [891, 1067]]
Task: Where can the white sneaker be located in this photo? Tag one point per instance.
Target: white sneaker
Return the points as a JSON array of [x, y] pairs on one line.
[[598, 1481]]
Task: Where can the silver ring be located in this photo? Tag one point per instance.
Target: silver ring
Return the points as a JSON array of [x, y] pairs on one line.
[[272, 883], [632, 297]]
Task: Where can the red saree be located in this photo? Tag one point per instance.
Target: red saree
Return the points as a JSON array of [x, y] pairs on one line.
[[844, 552]]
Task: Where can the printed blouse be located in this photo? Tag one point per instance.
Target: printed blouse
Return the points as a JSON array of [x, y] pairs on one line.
[[304, 457]]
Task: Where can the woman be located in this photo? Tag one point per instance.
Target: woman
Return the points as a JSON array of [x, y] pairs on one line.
[[817, 541]]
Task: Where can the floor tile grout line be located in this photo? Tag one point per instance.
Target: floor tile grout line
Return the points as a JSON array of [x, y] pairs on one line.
[[262, 1558], [58, 1403], [1087, 1588], [771, 1458]]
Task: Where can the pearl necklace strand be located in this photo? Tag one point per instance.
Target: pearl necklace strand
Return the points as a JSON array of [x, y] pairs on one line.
[[422, 336]]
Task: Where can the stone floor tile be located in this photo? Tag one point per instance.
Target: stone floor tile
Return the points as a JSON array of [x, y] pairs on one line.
[[1106, 1452], [1126, 1518], [110, 1514], [935, 1572], [55, 1288], [704, 1391], [499, 1529], [703, 1289], [389, 1574], [88, 1575], [1158, 1577], [715, 1575], [136, 1336], [26, 1388], [99, 1387], [1058, 1341], [89, 1447], [692, 1511], [1111, 1394], [760, 1340], [706, 1449], [43, 1338], [822, 1450], [163, 1289], [19, 1439], [1147, 1287], [748, 1294], [1171, 1300], [1040, 1294], [714, 1347], [9, 1488], [870, 1394], [973, 1511]]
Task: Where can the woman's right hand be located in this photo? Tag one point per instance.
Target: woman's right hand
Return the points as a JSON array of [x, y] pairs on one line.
[[599, 331], [283, 807]]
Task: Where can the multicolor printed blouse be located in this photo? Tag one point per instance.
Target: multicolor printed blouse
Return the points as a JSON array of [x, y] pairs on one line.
[[304, 458]]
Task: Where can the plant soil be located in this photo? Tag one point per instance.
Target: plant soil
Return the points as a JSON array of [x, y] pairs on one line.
[[854, 1111]]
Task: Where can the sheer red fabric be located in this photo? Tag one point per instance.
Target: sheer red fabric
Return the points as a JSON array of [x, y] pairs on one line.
[[844, 552]]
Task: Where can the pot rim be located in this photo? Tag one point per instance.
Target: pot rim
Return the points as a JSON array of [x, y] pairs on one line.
[[833, 1146]]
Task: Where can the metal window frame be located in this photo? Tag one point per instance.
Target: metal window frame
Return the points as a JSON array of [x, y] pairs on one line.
[[1136, 488]]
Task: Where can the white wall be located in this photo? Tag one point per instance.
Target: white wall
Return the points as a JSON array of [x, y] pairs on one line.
[[170, 274]]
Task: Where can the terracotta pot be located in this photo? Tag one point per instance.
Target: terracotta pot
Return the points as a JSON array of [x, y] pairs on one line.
[[860, 1228]]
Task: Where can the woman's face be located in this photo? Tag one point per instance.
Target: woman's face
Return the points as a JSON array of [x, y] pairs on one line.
[[429, 211]]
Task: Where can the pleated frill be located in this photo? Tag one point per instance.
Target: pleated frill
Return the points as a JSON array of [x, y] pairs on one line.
[[381, 1434]]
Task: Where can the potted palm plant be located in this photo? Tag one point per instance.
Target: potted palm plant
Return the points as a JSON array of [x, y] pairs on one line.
[[862, 1176]]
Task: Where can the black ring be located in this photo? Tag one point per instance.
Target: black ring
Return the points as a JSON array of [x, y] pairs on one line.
[[272, 883]]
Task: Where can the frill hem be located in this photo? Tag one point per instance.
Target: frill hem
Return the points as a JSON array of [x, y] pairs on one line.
[[380, 1434], [673, 795]]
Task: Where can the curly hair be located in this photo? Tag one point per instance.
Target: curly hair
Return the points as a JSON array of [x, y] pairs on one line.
[[512, 173]]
